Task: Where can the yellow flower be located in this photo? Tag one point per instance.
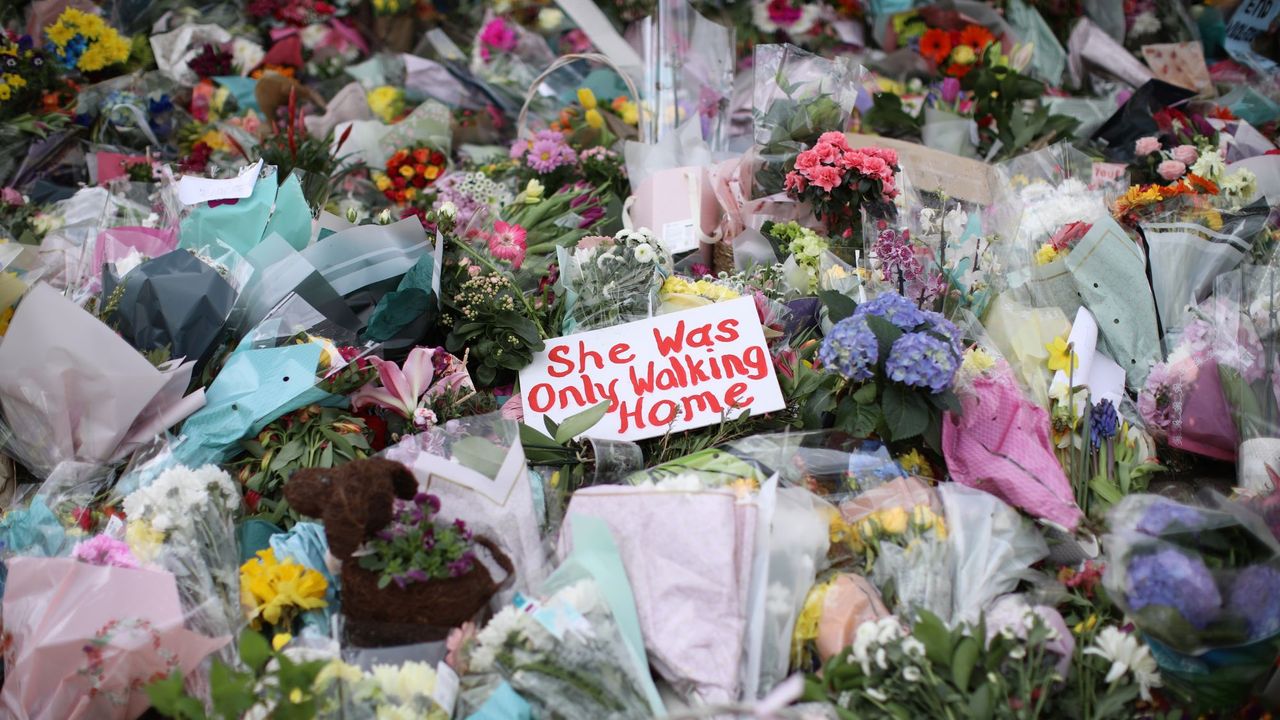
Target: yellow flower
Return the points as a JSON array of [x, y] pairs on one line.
[[587, 98], [1046, 254], [406, 171], [274, 591], [533, 192], [893, 520], [338, 671], [296, 697], [1061, 357], [15, 81], [977, 361], [5, 316], [433, 172], [381, 181], [914, 463], [743, 487], [279, 640], [410, 193], [923, 517], [4, 92], [806, 628], [1085, 625], [144, 541], [630, 113], [963, 55], [215, 140], [386, 102], [594, 119]]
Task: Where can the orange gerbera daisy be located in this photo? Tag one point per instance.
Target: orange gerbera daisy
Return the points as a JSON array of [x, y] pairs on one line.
[[935, 44], [1204, 185], [976, 37]]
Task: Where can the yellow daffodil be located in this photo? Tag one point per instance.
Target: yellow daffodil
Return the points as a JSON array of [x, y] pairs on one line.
[[594, 119], [1061, 357], [587, 98], [273, 591], [1046, 254], [279, 640]]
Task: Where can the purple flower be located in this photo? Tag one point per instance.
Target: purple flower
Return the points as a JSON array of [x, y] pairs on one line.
[[1255, 596], [1166, 516], [546, 152], [894, 308], [1173, 579], [950, 90], [417, 575], [462, 565], [434, 503], [850, 349], [922, 360], [1103, 423], [590, 216]]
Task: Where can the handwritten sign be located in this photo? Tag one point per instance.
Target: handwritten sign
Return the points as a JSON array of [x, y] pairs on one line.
[[193, 190], [669, 373]]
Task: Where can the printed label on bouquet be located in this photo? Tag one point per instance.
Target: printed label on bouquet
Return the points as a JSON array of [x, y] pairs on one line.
[[194, 190], [446, 691], [1107, 173], [665, 374], [679, 236]]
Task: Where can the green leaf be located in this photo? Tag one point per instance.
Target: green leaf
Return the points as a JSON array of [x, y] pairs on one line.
[[935, 637], [839, 306], [551, 425], [886, 334], [230, 691], [963, 660], [575, 425], [169, 698], [982, 703], [905, 412], [866, 394], [254, 650]]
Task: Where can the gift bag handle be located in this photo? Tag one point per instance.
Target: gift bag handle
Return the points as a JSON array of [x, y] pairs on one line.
[[563, 60]]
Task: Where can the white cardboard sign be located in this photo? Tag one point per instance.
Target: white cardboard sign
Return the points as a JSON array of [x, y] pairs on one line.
[[193, 190], [668, 373]]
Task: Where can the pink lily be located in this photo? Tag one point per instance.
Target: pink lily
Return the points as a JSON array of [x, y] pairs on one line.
[[401, 388]]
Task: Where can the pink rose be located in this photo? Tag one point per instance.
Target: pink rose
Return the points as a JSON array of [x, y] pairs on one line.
[[10, 196], [827, 153], [827, 178], [1171, 169], [1146, 145], [807, 160], [834, 138], [1185, 154]]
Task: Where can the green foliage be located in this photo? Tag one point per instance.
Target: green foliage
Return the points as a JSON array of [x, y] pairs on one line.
[[1002, 95]]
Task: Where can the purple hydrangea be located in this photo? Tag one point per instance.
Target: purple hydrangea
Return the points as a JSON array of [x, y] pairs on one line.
[[1176, 580], [894, 308], [1165, 515], [940, 325], [1255, 596], [850, 349], [920, 359]]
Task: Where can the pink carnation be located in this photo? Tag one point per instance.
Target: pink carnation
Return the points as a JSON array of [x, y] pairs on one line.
[[1171, 169], [889, 155], [827, 178], [1185, 154], [106, 551], [1146, 145]]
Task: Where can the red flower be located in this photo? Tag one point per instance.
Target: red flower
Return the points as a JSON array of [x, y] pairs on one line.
[[420, 155], [83, 518], [251, 500], [437, 158], [935, 44], [976, 37]]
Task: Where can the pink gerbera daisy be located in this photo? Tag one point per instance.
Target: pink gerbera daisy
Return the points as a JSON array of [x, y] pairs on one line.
[[507, 242]]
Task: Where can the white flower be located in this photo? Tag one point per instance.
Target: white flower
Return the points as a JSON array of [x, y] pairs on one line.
[[1241, 184], [582, 596], [911, 673], [246, 55], [313, 35], [882, 659], [1126, 654], [1018, 652], [549, 18], [876, 695], [384, 217], [448, 210], [644, 253], [507, 622], [954, 224], [406, 682], [1145, 23], [424, 417], [888, 629], [1209, 166], [913, 647]]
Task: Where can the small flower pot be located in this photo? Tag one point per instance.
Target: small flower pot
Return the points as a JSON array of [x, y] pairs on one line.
[[418, 612]]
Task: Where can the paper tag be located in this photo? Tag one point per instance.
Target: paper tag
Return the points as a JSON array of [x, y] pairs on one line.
[[679, 236], [1251, 19], [1107, 173], [115, 528], [446, 692], [193, 190]]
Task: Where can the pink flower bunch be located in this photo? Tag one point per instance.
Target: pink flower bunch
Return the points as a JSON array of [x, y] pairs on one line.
[[1069, 234], [831, 163], [1146, 145], [106, 551], [544, 152], [497, 35]]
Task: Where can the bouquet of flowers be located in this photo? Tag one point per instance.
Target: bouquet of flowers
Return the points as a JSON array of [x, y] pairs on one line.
[[184, 521], [898, 363], [409, 171], [564, 655], [609, 281], [840, 181], [85, 42], [1203, 586]]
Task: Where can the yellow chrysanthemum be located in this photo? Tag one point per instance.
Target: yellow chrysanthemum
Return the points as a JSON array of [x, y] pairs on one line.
[[273, 591], [1046, 254], [386, 102], [914, 463]]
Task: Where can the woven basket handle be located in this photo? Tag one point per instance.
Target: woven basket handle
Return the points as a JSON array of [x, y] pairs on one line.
[[522, 130]]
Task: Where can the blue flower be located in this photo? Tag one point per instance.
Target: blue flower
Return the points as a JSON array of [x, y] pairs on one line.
[[850, 349], [1255, 596], [1104, 422], [1173, 579], [942, 326], [894, 308], [1167, 516], [920, 359]]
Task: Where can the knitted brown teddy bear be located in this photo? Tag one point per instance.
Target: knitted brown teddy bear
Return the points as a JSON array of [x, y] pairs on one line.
[[355, 501]]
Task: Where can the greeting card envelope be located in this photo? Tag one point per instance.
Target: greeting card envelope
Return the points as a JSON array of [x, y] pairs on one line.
[[1180, 64], [86, 639]]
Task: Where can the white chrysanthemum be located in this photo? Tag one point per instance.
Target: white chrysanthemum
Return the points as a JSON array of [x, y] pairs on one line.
[[1126, 655], [507, 622], [1209, 166], [406, 682], [1146, 23], [1240, 184], [643, 253], [246, 55], [313, 35]]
